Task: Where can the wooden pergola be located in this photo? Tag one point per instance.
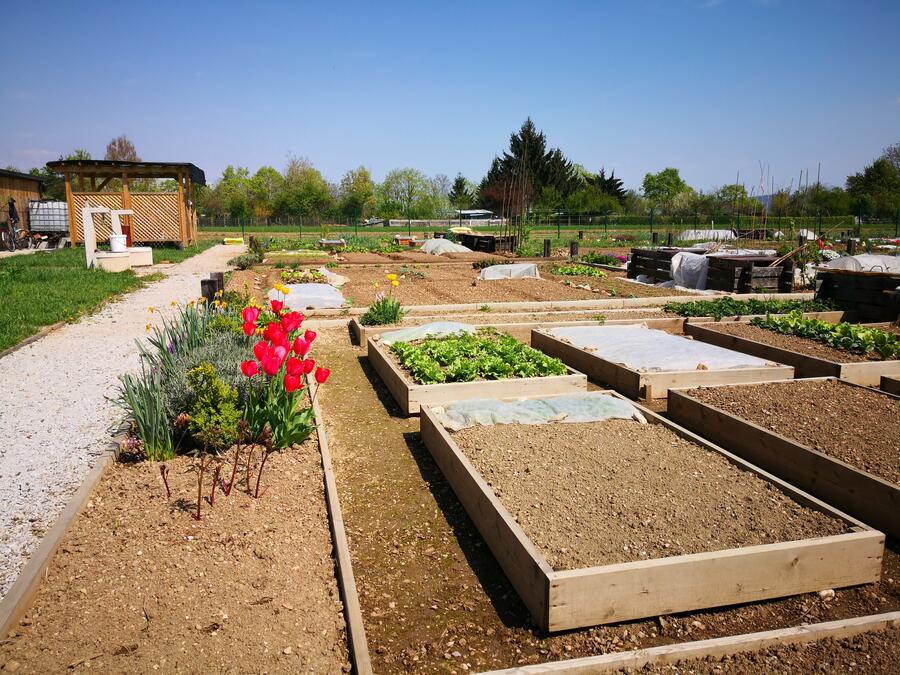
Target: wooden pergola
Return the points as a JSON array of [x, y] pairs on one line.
[[158, 216]]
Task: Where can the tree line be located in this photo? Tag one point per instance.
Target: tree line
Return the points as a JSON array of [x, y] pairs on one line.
[[526, 178]]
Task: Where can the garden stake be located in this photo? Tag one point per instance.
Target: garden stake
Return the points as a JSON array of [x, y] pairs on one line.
[[164, 472], [200, 486], [242, 429], [249, 457], [215, 482]]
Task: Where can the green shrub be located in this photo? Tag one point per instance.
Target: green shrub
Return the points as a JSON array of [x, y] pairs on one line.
[[214, 414], [245, 261], [485, 355]]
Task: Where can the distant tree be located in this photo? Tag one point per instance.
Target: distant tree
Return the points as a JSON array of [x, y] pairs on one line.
[[262, 190], [591, 199], [612, 186], [519, 177], [120, 149], [892, 154], [306, 192], [460, 196], [356, 194], [404, 193], [661, 188], [780, 203], [875, 191]]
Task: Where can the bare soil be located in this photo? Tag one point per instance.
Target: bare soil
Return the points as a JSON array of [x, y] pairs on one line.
[[434, 599], [873, 653], [491, 317], [854, 424], [618, 491], [792, 342], [138, 585], [456, 284]]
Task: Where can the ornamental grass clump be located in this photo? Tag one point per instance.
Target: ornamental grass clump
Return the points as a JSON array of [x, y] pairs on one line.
[[466, 357], [386, 310], [847, 336]]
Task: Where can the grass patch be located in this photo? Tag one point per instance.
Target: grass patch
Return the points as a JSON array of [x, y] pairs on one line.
[[173, 254], [47, 287]]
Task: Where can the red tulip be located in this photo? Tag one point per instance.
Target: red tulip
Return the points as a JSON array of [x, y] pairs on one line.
[[271, 364], [291, 321], [294, 366], [260, 349], [277, 306], [250, 314], [308, 366], [275, 334], [301, 347], [249, 328], [309, 336], [292, 383], [249, 368], [322, 375], [279, 352]]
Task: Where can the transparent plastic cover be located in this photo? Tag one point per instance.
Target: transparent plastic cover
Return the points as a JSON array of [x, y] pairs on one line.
[[434, 329]]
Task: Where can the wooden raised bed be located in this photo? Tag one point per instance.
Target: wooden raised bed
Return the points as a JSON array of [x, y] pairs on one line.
[[866, 293], [866, 373], [489, 243], [891, 385], [656, 263], [649, 385], [411, 396], [563, 600], [859, 493], [748, 274]]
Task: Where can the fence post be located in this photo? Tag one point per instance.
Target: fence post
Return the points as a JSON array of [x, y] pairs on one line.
[[558, 218], [573, 249], [546, 248], [654, 238], [581, 234], [669, 239], [651, 226], [851, 247]]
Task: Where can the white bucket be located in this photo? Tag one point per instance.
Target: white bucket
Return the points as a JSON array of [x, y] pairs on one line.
[[117, 243]]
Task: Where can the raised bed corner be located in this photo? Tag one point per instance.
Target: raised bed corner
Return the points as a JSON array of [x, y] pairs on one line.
[[569, 599], [411, 396]]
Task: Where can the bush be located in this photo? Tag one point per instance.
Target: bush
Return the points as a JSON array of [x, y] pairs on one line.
[[245, 261], [224, 351], [214, 413]]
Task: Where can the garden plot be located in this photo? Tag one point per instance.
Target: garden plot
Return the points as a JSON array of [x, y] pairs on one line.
[[809, 357], [836, 440], [601, 522], [454, 367], [641, 362]]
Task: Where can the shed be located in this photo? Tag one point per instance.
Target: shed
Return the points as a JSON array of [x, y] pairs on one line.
[[22, 187], [158, 216]]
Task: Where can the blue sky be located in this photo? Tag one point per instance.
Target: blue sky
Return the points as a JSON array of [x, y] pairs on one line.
[[711, 87]]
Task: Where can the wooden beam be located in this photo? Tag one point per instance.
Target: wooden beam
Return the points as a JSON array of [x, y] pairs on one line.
[[71, 203], [181, 209], [103, 183], [93, 184], [81, 182]]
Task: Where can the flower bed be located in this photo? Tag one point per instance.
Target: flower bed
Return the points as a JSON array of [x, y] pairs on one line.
[[580, 554]]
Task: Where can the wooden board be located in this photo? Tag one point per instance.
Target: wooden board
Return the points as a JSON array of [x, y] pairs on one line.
[[637, 659], [891, 385], [563, 600], [866, 373], [873, 500], [635, 384], [411, 396]]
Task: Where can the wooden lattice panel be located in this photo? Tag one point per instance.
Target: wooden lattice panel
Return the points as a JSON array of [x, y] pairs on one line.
[[155, 215]]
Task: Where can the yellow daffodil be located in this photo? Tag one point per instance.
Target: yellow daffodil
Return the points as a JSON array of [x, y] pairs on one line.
[[148, 327], [391, 277], [173, 304], [394, 282], [151, 309]]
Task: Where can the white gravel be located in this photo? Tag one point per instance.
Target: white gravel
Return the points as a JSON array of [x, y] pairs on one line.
[[55, 414]]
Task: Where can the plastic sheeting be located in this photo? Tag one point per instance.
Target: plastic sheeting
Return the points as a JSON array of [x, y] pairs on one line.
[[442, 246], [434, 329], [304, 296], [865, 262], [715, 235], [571, 408], [336, 280], [689, 270], [513, 271], [648, 350]]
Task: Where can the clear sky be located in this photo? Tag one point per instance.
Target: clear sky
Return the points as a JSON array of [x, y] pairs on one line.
[[708, 86]]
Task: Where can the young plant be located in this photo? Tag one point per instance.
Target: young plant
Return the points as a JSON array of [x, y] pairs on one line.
[[578, 271], [722, 307], [846, 336]]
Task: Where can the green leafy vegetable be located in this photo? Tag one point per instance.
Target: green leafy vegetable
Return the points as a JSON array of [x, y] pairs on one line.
[[847, 336], [732, 307], [578, 271]]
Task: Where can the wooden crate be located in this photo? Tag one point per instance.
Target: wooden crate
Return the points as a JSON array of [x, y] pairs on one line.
[[866, 373], [411, 396], [873, 500], [868, 294], [636, 384], [567, 599], [655, 263], [489, 243], [748, 274]]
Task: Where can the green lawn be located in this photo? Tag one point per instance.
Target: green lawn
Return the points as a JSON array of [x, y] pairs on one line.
[[43, 288]]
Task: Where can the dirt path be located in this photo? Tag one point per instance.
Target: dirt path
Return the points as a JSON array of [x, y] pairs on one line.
[[433, 597], [55, 412]]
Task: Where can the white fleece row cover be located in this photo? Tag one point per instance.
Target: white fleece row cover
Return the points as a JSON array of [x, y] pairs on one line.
[[513, 271], [304, 296], [442, 246], [586, 407], [434, 329], [650, 350]]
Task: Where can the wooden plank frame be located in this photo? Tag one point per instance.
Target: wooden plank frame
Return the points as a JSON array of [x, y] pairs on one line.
[[863, 495], [411, 396], [729, 645], [890, 384], [567, 599], [866, 373], [636, 384]]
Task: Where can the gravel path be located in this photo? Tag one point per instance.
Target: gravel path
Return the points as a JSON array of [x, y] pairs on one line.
[[55, 416]]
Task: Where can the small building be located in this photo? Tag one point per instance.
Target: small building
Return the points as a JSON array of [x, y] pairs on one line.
[[22, 187], [158, 216]]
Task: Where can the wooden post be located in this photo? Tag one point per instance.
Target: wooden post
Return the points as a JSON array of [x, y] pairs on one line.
[[573, 249], [81, 182], [71, 202], [182, 214], [851, 247], [546, 248], [93, 183], [126, 204], [192, 212]]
